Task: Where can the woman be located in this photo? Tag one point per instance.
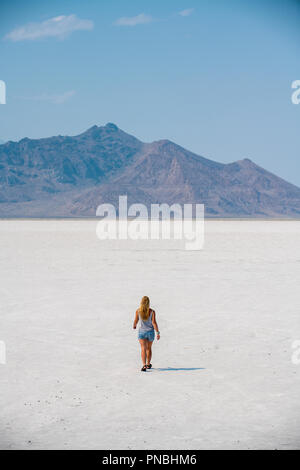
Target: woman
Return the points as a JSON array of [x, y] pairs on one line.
[[146, 331]]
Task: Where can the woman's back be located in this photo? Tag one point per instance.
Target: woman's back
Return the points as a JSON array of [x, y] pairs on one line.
[[146, 325]]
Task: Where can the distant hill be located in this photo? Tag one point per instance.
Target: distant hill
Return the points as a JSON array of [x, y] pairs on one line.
[[70, 176]]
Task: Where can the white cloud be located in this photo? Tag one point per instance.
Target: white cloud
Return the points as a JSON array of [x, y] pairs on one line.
[[134, 20], [53, 98], [187, 12], [60, 27]]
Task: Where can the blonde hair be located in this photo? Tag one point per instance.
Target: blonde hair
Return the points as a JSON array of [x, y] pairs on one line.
[[144, 309]]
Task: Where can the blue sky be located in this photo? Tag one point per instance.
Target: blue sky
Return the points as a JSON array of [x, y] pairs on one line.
[[213, 76]]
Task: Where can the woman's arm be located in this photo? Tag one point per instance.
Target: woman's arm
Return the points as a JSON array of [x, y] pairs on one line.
[[155, 325], [136, 320]]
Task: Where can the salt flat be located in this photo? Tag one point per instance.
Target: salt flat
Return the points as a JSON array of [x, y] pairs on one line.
[[223, 374]]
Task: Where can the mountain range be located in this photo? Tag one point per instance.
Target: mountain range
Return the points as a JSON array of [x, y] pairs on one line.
[[66, 176]]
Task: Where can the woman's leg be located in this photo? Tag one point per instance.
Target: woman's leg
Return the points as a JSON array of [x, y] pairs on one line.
[[149, 352], [143, 343]]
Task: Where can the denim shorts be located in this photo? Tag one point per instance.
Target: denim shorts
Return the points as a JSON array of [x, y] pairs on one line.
[[149, 335]]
